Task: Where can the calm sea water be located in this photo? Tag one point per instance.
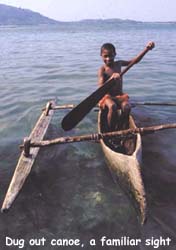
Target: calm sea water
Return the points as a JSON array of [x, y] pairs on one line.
[[70, 193]]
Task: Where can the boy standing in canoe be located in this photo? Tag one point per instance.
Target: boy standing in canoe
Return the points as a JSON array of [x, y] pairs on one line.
[[115, 98]]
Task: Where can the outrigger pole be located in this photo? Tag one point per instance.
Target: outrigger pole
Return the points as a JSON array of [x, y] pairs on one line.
[[133, 104], [94, 137]]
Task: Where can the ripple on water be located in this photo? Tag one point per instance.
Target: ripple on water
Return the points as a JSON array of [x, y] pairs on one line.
[[70, 184]]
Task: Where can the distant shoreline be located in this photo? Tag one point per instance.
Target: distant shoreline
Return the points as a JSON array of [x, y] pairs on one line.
[[10, 15]]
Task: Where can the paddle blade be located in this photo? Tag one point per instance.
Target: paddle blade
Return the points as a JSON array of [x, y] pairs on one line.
[[82, 109]]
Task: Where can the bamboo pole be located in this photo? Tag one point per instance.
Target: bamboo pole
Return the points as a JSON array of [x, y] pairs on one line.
[[67, 106], [154, 103], [98, 136], [133, 104]]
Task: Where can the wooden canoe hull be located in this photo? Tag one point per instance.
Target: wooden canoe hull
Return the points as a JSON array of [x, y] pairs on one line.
[[127, 169], [24, 165]]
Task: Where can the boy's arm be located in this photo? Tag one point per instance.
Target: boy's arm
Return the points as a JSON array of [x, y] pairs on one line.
[[100, 84], [100, 77], [149, 45]]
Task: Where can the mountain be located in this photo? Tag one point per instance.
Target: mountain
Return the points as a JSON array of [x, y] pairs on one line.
[[109, 20], [17, 16], [123, 21]]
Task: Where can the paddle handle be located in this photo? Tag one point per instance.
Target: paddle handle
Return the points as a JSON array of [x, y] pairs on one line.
[[138, 58]]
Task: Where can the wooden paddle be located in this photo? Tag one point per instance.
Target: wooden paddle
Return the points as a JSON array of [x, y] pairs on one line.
[[82, 109], [98, 136]]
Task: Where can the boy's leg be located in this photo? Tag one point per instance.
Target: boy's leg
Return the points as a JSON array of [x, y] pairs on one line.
[[126, 108], [112, 113]]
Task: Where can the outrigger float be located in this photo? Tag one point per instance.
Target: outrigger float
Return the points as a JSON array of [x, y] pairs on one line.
[[28, 156], [124, 162]]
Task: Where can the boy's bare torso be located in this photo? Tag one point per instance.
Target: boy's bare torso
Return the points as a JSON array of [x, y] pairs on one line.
[[107, 73]]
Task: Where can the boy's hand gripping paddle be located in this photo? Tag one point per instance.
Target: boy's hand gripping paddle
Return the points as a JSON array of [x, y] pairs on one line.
[[82, 109]]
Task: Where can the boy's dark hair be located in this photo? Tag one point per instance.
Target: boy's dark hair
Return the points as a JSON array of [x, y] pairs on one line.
[[108, 46]]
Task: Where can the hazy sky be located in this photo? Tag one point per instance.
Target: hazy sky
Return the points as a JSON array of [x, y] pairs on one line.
[[71, 10]]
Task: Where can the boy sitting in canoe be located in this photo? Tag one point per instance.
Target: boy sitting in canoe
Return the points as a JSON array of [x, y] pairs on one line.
[[115, 98]]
